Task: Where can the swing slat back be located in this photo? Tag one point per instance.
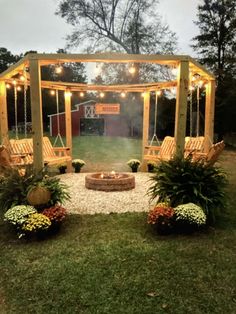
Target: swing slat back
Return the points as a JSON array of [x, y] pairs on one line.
[[212, 156], [194, 143], [52, 155], [164, 152]]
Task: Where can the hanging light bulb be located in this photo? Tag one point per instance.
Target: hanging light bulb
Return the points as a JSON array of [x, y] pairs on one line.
[[18, 88], [123, 94], [158, 92], [52, 92], [101, 95], [191, 87], [14, 82], [81, 94], [58, 69], [22, 78], [132, 69], [200, 83], [143, 94], [8, 86], [173, 90]]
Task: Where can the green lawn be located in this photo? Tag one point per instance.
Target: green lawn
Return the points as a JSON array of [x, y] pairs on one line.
[[117, 264]]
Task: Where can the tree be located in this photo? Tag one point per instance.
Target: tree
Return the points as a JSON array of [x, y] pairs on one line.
[[216, 45], [6, 59], [120, 25]]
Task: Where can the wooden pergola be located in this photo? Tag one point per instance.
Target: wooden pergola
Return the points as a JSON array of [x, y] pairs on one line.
[[187, 68]]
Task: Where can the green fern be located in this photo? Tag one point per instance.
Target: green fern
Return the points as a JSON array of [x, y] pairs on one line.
[[182, 180]]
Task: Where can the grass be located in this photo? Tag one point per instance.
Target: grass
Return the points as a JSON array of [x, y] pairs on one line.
[[117, 264]]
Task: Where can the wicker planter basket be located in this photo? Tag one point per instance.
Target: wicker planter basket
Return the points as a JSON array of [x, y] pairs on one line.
[[38, 196]]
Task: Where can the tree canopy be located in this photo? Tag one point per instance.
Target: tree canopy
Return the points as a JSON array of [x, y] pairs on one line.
[[119, 25]]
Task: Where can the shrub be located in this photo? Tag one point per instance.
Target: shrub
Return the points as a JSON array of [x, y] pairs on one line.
[[182, 180], [190, 214], [17, 215], [14, 187], [36, 222], [56, 213]]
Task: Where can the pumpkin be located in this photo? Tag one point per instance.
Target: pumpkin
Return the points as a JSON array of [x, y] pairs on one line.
[[38, 195]]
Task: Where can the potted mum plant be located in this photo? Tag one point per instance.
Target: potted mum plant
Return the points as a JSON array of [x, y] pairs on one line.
[[161, 216], [62, 168], [151, 165], [134, 164], [77, 164]]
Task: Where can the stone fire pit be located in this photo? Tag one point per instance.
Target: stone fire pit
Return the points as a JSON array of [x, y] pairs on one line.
[[110, 181]]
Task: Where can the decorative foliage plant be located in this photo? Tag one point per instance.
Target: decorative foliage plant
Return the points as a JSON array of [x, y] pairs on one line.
[[134, 164], [36, 222], [14, 188], [161, 216], [182, 180], [56, 213], [17, 215], [78, 164]]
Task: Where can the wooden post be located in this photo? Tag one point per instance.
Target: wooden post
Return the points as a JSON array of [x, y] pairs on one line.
[[209, 115], [146, 109], [3, 114], [36, 113], [181, 105], [68, 126]]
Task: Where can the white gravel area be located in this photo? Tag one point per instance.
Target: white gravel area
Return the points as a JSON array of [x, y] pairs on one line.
[[85, 201]]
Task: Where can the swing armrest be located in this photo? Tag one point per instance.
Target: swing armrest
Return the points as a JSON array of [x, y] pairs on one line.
[[61, 149], [157, 148]]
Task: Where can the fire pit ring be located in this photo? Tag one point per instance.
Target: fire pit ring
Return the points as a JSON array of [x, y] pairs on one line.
[[109, 182]]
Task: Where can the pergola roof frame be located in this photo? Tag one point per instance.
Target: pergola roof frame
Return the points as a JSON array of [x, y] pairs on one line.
[[187, 67]]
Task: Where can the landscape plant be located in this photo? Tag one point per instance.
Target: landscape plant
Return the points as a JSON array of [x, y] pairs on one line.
[[182, 180], [134, 164], [77, 164]]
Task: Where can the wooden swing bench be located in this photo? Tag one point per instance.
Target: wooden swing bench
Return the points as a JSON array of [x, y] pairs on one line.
[[167, 148], [212, 156], [52, 155]]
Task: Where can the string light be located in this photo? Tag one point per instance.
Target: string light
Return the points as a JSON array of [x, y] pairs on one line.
[[158, 92], [101, 94], [132, 69], [58, 69], [173, 90], [52, 92], [8, 85], [200, 83], [191, 87], [22, 78], [123, 94], [81, 94], [18, 88], [14, 82], [143, 94]]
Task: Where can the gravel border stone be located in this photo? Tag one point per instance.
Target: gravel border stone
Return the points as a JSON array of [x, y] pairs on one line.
[[84, 201]]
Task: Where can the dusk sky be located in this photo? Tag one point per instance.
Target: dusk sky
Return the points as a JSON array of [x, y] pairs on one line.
[[32, 24]]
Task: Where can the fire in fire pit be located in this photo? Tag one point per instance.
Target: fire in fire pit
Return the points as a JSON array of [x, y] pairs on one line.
[[109, 181]]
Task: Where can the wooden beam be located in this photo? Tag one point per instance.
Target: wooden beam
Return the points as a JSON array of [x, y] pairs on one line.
[[36, 113], [68, 126], [3, 114], [209, 115], [146, 113], [108, 57], [181, 105], [15, 68]]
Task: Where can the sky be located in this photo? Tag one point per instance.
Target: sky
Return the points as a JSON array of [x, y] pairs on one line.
[[32, 24]]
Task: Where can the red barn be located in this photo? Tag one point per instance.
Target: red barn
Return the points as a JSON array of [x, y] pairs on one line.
[[85, 121]]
